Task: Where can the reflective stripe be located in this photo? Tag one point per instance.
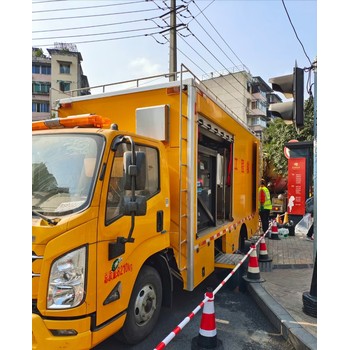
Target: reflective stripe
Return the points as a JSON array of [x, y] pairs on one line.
[[206, 333], [253, 269]]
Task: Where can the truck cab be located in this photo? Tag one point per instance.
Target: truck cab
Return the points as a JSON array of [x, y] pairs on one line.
[[97, 263]]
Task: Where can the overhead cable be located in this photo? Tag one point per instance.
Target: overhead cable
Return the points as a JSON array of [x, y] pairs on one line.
[[95, 15], [86, 7], [295, 32]]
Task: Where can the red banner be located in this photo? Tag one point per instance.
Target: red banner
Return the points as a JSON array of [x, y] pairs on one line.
[[296, 186]]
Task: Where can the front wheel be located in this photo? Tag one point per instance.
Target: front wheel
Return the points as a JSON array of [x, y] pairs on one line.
[[144, 306]]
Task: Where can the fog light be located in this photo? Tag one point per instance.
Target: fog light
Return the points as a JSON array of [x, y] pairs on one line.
[[63, 332]]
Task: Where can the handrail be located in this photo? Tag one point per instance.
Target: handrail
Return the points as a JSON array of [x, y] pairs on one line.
[[136, 80]]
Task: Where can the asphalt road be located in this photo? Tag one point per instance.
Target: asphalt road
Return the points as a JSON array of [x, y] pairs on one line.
[[240, 324]]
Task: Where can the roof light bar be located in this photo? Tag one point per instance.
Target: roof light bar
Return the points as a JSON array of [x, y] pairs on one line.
[[82, 121]]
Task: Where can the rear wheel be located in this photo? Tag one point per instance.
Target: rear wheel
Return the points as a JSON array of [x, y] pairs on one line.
[[244, 243], [144, 307], [244, 247]]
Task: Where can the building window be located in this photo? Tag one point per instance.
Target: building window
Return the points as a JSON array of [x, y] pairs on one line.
[[65, 68], [259, 105], [40, 107], [263, 93], [35, 69], [41, 87], [38, 69], [253, 121], [46, 70], [64, 85]]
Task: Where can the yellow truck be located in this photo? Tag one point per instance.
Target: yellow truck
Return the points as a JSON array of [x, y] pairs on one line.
[[132, 189]]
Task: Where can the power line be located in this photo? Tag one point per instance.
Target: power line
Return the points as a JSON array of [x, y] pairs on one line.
[[94, 34], [295, 32], [218, 47], [44, 1], [222, 76], [92, 26], [86, 7], [110, 39], [219, 33], [152, 34], [212, 80], [89, 16], [107, 33]]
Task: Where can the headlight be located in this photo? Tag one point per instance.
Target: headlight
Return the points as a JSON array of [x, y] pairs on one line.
[[67, 280]]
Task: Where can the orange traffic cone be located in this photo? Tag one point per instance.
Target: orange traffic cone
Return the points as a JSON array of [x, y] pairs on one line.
[[263, 255], [207, 338], [253, 274], [264, 259], [278, 219], [286, 220], [260, 228], [274, 231]]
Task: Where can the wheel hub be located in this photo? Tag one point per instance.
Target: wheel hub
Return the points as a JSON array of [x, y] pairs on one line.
[[145, 305]]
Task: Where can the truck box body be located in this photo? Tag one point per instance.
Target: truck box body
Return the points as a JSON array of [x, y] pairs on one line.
[[202, 171]]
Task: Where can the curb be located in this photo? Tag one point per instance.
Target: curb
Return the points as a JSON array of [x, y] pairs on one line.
[[300, 338]]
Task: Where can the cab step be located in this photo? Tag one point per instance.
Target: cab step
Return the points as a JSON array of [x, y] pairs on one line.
[[228, 261]]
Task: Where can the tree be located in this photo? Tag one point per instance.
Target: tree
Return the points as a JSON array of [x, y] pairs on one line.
[[37, 52], [278, 133]]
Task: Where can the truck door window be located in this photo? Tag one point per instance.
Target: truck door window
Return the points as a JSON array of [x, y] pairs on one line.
[[116, 191]]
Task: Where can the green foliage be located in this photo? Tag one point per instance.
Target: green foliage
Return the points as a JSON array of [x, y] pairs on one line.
[[278, 133], [38, 52]]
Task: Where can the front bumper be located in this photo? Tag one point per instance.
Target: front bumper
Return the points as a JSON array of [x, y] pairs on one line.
[[43, 339]]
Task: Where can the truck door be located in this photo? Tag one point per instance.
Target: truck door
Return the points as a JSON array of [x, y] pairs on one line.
[[116, 276]]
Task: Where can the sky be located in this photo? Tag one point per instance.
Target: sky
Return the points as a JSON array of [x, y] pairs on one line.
[[213, 36]]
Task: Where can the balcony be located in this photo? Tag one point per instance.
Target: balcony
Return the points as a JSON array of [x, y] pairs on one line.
[[257, 122], [258, 108]]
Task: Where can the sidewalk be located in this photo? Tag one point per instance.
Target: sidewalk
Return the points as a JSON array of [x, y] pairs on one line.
[[280, 296]]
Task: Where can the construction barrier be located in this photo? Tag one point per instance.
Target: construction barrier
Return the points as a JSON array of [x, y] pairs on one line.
[[263, 255], [274, 231], [264, 259], [253, 274], [207, 337], [188, 318]]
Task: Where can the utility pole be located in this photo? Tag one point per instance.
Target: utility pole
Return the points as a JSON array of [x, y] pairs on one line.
[[310, 298], [173, 46]]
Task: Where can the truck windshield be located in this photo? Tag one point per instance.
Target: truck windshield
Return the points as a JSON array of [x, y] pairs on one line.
[[64, 168]]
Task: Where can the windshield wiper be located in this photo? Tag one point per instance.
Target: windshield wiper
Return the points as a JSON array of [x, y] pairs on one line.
[[52, 222]]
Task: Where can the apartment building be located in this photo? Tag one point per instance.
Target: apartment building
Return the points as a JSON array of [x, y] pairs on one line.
[[247, 96], [53, 75]]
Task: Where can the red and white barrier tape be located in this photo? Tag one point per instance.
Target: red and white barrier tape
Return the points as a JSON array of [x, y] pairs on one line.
[[180, 326], [187, 319]]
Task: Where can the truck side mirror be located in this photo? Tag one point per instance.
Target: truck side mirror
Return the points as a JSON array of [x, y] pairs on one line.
[[138, 170], [134, 171]]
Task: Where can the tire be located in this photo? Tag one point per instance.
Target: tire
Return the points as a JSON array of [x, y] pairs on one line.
[[244, 244], [247, 245], [144, 307]]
